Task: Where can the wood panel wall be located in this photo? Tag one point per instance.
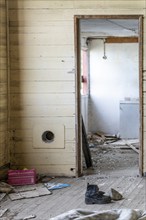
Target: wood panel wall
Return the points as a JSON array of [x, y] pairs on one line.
[[4, 150], [42, 77]]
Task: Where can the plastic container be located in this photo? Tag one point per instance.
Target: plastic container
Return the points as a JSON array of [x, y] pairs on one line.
[[21, 177]]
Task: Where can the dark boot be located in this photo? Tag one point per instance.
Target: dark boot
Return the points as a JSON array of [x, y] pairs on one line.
[[91, 190], [94, 196]]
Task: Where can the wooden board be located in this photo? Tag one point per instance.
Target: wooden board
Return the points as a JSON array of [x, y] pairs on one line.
[[43, 75], [4, 151], [73, 197], [41, 87], [63, 99]]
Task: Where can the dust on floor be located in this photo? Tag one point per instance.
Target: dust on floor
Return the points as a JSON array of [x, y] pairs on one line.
[[115, 158]]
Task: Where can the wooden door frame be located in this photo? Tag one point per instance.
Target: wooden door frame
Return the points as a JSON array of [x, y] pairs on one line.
[[78, 123]]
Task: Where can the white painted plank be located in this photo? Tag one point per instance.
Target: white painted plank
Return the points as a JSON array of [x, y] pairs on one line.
[[40, 51], [109, 4], [52, 170], [3, 88], [44, 111], [25, 147], [42, 38], [3, 101], [45, 99], [107, 11], [27, 135], [21, 4], [73, 4], [42, 87], [3, 115], [3, 52], [29, 123], [41, 63], [144, 85], [3, 126], [40, 15], [49, 29], [3, 75], [40, 75], [45, 158]]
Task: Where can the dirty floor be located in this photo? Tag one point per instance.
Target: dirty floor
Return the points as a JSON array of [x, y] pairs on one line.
[[132, 188], [114, 166], [115, 158]]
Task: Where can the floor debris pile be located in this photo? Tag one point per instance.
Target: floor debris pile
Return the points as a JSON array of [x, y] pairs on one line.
[[118, 214], [109, 153], [73, 197], [100, 138], [26, 191]]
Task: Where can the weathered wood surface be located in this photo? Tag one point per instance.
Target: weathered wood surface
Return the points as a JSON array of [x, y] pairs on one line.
[[45, 207], [42, 76], [4, 155]]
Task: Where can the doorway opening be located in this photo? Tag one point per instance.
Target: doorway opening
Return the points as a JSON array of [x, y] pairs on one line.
[[109, 93]]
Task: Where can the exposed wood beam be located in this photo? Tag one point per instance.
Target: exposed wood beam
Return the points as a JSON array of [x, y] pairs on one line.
[[121, 40]]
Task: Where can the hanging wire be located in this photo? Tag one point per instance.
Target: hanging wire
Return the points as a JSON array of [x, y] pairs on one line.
[[104, 52]]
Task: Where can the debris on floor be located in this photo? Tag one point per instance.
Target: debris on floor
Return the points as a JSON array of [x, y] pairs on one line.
[[44, 178], [38, 191], [52, 186], [109, 158], [29, 217], [115, 195], [132, 146], [99, 138], [2, 212], [22, 177], [6, 188], [2, 195], [116, 214]]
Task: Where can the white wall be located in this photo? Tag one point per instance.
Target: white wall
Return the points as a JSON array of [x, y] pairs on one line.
[[42, 77], [111, 80]]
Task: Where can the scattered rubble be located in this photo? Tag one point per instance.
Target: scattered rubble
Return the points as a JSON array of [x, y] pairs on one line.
[[100, 138], [52, 186], [114, 157], [29, 217], [6, 188], [115, 195]]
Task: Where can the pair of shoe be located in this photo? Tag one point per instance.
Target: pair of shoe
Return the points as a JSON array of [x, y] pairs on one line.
[[94, 196]]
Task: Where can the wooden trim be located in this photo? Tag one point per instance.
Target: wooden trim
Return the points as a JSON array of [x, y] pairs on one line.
[[8, 77], [78, 98], [77, 59], [107, 16], [141, 150], [121, 40]]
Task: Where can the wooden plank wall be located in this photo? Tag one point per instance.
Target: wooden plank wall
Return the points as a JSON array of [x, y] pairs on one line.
[[42, 76], [4, 151]]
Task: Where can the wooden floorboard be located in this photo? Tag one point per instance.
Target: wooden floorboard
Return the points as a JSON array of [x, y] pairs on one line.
[[62, 200]]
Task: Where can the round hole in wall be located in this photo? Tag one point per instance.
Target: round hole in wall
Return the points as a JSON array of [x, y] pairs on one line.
[[48, 136]]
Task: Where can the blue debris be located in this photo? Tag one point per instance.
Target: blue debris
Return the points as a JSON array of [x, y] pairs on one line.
[[52, 186]]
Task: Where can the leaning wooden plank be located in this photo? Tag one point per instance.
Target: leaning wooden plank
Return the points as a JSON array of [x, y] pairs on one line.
[[86, 149], [131, 146], [134, 148]]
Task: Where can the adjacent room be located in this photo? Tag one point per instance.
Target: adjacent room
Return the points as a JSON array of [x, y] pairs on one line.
[[110, 93]]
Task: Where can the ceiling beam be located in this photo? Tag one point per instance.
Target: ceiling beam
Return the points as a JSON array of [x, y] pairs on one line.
[[121, 40]]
